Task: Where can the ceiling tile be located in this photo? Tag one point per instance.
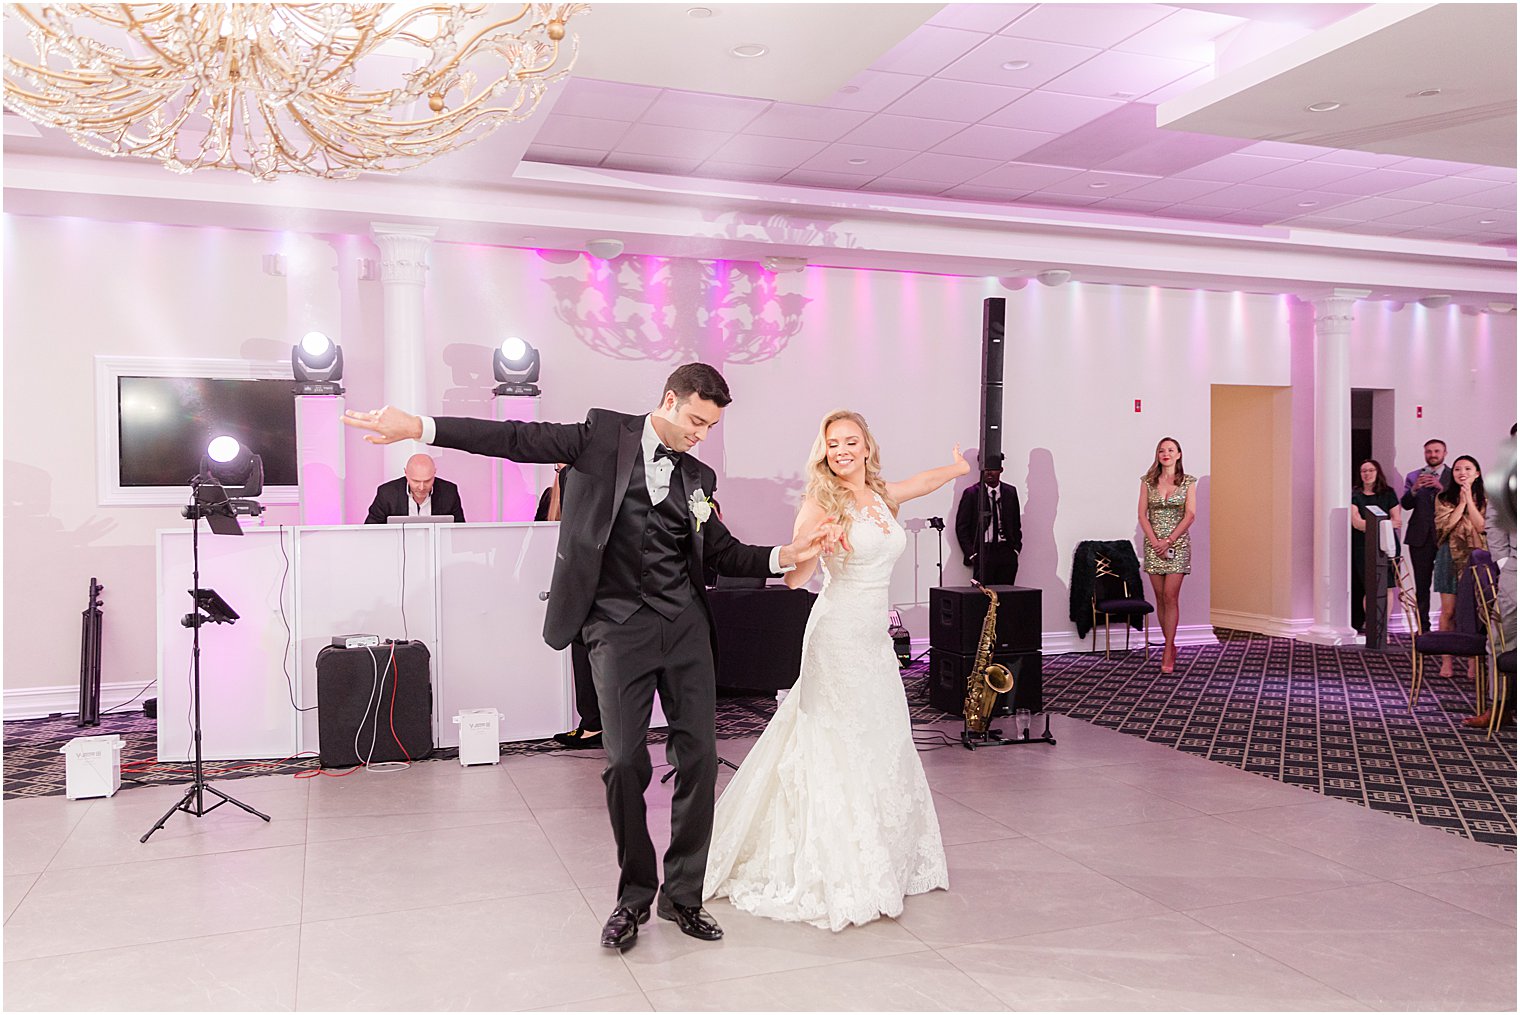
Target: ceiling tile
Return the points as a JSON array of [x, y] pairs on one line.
[[1113, 72], [562, 156], [1165, 154], [1454, 188], [1129, 205], [811, 123], [717, 169], [948, 170], [978, 17], [1174, 190], [1432, 214], [1090, 24], [580, 132], [1234, 168], [1376, 181], [777, 152], [1183, 35], [1181, 86], [1368, 208], [897, 185], [962, 101], [712, 112], [1349, 157], [1299, 201], [671, 142], [871, 90], [1242, 196], [927, 51], [873, 162], [610, 100], [914, 133], [669, 165], [1308, 174], [1044, 200], [1022, 178], [1435, 167], [1047, 60], [989, 195], [1052, 111], [828, 181], [1499, 174], [1081, 185], [1283, 150], [1001, 143]]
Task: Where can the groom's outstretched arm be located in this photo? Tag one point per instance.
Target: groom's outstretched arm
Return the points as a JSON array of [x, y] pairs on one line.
[[521, 442]]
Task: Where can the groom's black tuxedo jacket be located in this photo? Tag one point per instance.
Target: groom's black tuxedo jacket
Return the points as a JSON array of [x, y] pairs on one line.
[[602, 453]]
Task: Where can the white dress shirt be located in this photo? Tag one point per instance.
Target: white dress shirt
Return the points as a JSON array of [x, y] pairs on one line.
[[425, 508], [657, 472]]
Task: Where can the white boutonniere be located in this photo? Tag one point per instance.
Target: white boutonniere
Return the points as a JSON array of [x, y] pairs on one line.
[[701, 507]]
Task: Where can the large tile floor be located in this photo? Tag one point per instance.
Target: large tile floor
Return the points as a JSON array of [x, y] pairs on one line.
[[1103, 873]]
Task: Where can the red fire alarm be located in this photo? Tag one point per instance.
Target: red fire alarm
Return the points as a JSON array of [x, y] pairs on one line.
[[1419, 412], [1137, 405]]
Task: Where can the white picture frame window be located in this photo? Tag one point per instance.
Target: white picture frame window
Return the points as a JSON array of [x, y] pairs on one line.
[[109, 370]]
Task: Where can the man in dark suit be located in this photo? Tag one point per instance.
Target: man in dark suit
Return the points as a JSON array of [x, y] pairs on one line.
[[1420, 489], [635, 530], [419, 492], [994, 559]]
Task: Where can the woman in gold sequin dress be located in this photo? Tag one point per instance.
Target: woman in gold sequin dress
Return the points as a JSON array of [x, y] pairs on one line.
[[1167, 506]]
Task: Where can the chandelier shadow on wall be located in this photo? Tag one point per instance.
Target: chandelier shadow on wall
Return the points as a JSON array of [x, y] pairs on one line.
[[320, 89]]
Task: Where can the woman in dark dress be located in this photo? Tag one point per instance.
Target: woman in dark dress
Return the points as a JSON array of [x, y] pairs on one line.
[[1371, 488]]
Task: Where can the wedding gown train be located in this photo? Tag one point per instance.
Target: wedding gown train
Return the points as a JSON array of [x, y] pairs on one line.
[[829, 819]]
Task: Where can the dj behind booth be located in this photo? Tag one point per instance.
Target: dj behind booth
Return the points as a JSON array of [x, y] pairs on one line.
[[417, 493]]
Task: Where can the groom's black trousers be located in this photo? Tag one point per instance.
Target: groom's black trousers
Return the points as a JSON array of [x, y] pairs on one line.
[[629, 663]]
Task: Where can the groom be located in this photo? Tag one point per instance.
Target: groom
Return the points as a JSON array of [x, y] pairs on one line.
[[635, 530]]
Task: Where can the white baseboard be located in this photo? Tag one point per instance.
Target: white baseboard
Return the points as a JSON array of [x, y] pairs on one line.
[[37, 702], [1260, 623]]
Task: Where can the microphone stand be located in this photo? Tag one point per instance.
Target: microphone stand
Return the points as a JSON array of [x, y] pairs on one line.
[[209, 607]]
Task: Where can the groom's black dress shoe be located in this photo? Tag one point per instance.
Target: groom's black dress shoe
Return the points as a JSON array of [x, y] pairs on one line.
[[693, 920], [622, 928]]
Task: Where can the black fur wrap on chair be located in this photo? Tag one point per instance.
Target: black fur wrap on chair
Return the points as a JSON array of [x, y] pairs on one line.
[[1121, 556]]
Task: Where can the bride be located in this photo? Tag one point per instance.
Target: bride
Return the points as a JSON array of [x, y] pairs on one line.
[[829, 820]]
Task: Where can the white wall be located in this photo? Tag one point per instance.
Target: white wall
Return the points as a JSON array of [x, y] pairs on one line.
[[901, 348]]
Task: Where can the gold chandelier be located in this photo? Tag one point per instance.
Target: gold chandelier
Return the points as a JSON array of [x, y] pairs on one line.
[[315, 89]]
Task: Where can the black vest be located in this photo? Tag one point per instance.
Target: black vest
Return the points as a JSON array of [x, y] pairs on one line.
[[645, 560]]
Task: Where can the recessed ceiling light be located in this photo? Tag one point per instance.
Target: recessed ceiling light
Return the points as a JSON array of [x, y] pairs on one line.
[[530, 239], [1307, 204], [1487, 222], [1016, 65], [1098, 186], [849, 89], [1426, 93], [856, 162], [1125, 95], [1323, 107], [749, 50]]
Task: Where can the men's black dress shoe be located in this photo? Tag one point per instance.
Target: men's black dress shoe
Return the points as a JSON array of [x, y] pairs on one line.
[[579, 739], [622, 928], [693, 920]]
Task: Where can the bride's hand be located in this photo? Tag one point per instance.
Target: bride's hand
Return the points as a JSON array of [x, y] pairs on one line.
[[825, 539], [958, 461]]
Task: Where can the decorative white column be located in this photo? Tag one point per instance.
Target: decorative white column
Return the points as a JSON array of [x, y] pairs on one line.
[[1332, 467], [403, 273]]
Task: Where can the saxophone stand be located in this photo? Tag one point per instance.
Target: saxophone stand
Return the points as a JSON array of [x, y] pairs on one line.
[[210, 502], [993, 737]]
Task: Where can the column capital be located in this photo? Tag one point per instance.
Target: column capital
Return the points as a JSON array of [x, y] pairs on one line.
[[403, 250]]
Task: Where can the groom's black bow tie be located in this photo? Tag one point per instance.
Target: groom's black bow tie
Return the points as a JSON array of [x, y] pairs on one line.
[[661, 451]]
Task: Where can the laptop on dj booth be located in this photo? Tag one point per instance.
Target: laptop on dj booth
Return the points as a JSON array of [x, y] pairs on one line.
[[420, 520]]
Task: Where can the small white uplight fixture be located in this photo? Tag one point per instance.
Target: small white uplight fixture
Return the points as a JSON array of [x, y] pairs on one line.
[[606, 248], [749, 51], [1323, 107], [1434, 301], [777, 264], [1053, 277]]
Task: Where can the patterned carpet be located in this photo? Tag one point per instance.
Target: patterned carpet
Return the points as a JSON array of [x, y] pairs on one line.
[[1334, 720]]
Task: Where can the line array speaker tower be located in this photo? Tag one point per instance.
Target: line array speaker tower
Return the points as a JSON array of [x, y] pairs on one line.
[[994, 311]]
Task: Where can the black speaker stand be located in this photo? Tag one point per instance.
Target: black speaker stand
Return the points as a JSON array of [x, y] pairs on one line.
[[671, 774], [212, 609], [993, 737]]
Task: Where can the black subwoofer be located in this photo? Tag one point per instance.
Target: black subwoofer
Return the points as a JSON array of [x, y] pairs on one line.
[[956, 613], [387, 704], [947, 681]]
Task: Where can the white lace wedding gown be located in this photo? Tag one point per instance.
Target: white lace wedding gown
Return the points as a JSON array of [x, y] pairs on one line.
[[829, 820]]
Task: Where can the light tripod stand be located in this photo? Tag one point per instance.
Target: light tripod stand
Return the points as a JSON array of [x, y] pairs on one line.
[[209, 501]]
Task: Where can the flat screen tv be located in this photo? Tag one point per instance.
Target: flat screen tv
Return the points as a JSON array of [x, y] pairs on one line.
[[165, 423]]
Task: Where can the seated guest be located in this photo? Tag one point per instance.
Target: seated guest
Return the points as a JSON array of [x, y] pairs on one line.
[[419, 492]]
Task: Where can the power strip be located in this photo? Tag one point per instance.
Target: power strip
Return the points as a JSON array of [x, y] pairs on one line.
[[355, 640]]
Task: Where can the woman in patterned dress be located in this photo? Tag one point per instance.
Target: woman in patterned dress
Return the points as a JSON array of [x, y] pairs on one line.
[[1167, 507]]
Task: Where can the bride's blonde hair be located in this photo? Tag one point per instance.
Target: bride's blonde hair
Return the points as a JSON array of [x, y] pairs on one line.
[[825, 488]]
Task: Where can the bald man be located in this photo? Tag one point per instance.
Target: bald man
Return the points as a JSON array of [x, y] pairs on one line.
[[419, 492]]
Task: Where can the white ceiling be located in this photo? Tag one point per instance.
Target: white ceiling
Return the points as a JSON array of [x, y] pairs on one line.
[[994, 116]]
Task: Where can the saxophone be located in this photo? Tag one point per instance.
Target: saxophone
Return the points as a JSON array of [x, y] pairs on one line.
[[988, 679]]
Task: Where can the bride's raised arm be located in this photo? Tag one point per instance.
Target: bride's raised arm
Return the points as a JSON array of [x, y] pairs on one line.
[[809, 517], [928, 481]]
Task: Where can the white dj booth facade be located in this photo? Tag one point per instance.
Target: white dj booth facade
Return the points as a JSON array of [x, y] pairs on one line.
[[474, 594]]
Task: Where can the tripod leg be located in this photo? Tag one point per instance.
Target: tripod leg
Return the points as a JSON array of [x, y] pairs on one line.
[[671, 773], [183, 803], [238, 803]]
